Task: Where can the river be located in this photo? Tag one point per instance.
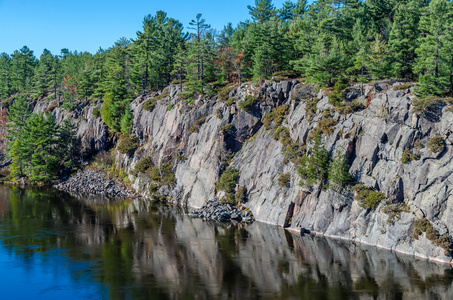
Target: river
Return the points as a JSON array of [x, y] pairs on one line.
[[56, 246]]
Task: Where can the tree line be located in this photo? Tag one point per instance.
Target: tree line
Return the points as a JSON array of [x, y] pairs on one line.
[[327, 41]]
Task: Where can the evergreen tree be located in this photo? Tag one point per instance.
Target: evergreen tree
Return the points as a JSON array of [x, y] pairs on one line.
[[5, 75], [263, 10], [339, 172], [16, 160], [116, 85], [434, 63], [403, 39], [18, 115], [314, 167], [22, 65], [44, 73], [377, 56]]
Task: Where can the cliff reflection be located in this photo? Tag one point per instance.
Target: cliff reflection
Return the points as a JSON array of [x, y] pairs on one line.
[[139, 251]]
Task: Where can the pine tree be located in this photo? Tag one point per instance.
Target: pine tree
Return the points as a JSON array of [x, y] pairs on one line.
[[377, 56], [22, 65], [263, 10], [434, 63], [403, 39], [5, 75], [16, 160], [18, 115], [314, 167], [339, 172], [116, 85]]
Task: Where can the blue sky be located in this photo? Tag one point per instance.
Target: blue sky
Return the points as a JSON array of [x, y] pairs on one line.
[[85, 25]]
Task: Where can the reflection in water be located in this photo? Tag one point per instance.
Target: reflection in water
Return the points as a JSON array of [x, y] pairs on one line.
[[60, 246]]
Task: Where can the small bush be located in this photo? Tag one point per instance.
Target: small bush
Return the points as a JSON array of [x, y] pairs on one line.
[[96, 113], [339, 175], [310, 108], [327, 125], [229, 198], [224, 92], [228, 180], [240, 195], [230, 101], [196, 126], [443, 241], [169, 107], [286, 74], [282, 134], [403, 86], [219, 113], [149, 104], [436, 144], [366, 197], [423, 105], [284, 180], [337, 96], [408, 156], [418, 145], [314, 166], [293, 152], [227, 129], [248, 104], [163, 174], [143, 165], [104, 159], [393, 210], [128, 144], [153, 188], [161, 96], [276, 115]]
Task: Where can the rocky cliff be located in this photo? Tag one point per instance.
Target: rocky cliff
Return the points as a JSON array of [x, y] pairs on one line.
[[377, 132]]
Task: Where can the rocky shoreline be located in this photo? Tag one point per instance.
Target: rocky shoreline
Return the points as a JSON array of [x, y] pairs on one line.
[[96, 182], [216, 211]]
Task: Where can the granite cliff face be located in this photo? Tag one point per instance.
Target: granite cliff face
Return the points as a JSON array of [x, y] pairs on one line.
[[374, 139]]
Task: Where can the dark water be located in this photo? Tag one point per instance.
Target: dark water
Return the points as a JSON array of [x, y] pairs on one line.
[[54, 246]]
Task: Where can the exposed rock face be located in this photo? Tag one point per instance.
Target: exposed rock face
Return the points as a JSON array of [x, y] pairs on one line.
[[374, 139]]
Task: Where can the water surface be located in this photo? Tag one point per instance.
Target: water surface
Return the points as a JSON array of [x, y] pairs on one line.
[[54, 246]]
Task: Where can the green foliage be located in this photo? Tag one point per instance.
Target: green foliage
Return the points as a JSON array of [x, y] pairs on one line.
[[282, 134], [169, 107], [196, 126], [240, 195], [327, 125], [315, 165], [433, 62], [401, 87], [423, 105], [228, 180], [436, 144], [276, 115], [367, 197], [284, 180], [224, 92], [408, 156], [41, 149], [143, 165], [126, 120], [230, 101], [227, 129], [423, 225], [163, 174], [337, 96], [127, 144], [96, 112], [248, 104], [338, 174], [150, 104]]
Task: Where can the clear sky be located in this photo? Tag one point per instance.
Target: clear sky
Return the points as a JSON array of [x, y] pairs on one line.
[[86, 25]]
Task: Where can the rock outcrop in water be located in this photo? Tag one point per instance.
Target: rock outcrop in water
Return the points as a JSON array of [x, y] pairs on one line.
[[374, 138]]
